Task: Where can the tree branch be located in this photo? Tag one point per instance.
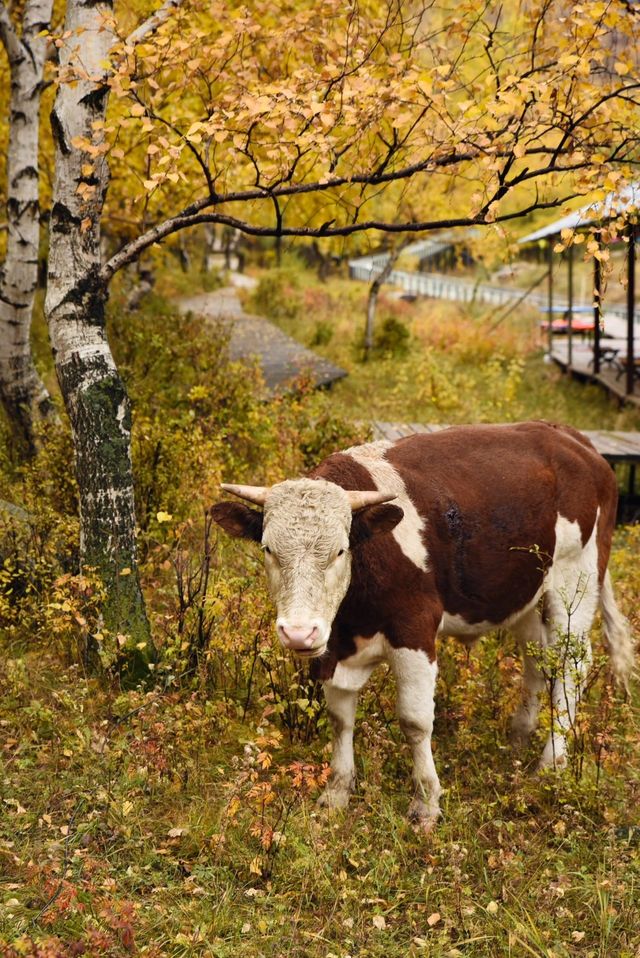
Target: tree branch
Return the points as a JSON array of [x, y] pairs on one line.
[[153, 23], [9, 37], [130, 251]]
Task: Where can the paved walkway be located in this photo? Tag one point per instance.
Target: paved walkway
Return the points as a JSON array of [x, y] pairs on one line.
[[281, 358]]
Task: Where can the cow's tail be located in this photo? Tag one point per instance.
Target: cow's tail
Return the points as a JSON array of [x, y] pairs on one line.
[[617, 635]]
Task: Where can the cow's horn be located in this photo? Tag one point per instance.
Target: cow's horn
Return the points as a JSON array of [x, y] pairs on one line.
[[358, 500], [256, 494]]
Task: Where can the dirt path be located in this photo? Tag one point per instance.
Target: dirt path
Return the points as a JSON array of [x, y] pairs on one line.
[[281, 358]]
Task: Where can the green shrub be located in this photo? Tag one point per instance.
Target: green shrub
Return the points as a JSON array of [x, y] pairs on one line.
[[322, 333], [278, 295], [392, 338]]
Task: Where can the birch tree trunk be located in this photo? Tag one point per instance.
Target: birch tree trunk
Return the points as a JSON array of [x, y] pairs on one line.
[[372, 299], [22, 392], [94, 394]]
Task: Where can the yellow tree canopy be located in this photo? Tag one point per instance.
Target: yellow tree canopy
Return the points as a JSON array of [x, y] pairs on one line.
[[317, 119]]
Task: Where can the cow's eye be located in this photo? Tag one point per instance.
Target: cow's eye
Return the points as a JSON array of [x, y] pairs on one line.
[[267, 550], [341, 552]]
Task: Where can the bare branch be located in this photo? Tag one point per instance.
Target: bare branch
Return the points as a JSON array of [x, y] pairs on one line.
[[153, 23], [130, 252], [9, 37]]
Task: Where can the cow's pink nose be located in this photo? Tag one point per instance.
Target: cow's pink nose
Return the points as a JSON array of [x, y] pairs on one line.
[[298, 636]]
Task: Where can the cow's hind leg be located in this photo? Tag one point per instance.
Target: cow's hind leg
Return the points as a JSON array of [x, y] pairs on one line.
[[415, 680], [532, 639], [341, 707], [570, 607]]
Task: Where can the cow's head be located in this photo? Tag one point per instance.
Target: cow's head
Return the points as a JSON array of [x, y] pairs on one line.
[[308, 529]]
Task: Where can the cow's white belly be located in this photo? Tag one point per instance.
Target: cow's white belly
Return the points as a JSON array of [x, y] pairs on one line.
[[353, 672], [459, 628]]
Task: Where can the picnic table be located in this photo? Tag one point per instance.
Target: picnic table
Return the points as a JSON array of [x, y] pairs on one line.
[[613, 352], [560, 326]]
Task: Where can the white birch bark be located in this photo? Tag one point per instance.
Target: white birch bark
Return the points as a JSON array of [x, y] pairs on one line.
[[93, 392], [23, 393]]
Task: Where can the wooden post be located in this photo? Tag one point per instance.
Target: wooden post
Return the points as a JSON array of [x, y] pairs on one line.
[[597, 306], [550, 294], [570, 310], [631, 302]]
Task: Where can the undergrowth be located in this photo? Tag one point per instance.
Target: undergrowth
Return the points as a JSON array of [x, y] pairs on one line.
[[180, 818]]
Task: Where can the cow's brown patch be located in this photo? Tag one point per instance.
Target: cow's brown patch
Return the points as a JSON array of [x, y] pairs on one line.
[[490, 497]]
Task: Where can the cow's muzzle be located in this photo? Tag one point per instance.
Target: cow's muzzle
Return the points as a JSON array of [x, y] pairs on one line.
[[307, 640]]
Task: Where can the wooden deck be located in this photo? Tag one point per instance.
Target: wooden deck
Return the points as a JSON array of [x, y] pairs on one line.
[[281, 359], [614, 446], [582, 367], [620, 449]]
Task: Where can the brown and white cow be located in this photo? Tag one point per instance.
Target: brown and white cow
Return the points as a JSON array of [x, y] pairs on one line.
[[489, 526]]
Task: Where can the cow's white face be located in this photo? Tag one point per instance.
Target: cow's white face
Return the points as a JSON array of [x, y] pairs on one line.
[[305, 540], [307, 531]]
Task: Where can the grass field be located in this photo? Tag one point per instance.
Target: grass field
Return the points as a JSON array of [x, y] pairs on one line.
[[179, 819], [461, 362]]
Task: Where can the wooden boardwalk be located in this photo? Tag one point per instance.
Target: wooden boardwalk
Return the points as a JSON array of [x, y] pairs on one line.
[[582, 367], [620, 449], [614, 446], [281, 359]]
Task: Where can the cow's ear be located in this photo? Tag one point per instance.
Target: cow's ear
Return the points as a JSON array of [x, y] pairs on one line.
[[238, 520], [373, 521]]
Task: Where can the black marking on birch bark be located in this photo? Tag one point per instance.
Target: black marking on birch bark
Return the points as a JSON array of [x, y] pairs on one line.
[[63, 220], [27, 172], [15, 304], [57, 130], [26, 46], [90, 294], [18, 116], [95, 99]]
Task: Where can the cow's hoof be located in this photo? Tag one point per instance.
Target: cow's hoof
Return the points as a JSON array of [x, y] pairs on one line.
[[557, 764], [421, 817], [519, 737], [554, 756], [334, 798]]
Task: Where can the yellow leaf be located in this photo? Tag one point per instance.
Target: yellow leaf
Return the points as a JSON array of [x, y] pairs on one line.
[[164, 516], [621, 68], [433, 919]]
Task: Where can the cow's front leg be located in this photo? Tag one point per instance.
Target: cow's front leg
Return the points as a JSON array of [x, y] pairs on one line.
[[415, 678], [341, 707]]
